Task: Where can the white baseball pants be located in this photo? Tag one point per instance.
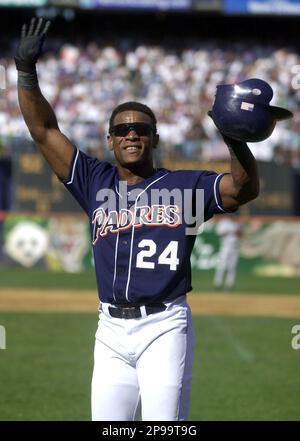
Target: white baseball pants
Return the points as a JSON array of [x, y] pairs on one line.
[[143, 366]]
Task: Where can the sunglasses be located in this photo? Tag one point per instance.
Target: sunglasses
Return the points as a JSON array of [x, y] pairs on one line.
[[141, 129]]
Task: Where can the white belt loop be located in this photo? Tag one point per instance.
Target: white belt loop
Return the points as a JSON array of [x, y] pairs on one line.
[[143, 311]]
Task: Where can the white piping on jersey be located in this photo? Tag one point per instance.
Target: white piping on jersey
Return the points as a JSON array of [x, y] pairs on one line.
[[73, 169], [116, 254], [132, 235], [115, 269], [118, 192], [215, 192]]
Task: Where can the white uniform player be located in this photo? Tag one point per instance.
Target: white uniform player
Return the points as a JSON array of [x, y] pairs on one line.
[[229, 231]]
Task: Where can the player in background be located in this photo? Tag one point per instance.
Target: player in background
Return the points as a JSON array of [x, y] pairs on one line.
[[144, 342], [229, 230]]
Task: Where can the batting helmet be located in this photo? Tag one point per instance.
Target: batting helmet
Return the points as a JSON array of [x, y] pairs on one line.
[[242, 111]]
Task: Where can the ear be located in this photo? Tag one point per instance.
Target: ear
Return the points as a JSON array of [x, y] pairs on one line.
[[156, 140], [110, 142]]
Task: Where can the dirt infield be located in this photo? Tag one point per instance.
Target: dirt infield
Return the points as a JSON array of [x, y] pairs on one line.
[[202, 303]]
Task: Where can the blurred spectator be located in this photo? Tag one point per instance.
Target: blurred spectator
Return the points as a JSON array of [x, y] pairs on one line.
[[84, 82]]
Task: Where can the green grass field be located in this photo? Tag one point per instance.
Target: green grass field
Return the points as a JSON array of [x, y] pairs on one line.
[[202, 281], [245, 368]]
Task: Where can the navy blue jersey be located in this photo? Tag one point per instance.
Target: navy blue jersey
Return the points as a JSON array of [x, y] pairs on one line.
[[142, 234]]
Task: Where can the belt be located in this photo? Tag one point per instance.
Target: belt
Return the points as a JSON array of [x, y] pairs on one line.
[[130, 312]]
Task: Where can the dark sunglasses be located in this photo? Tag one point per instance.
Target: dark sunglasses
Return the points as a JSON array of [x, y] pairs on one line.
[[141, 129]]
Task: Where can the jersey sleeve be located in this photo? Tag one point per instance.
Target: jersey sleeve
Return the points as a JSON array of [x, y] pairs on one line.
[[83, 172], [209, 181]]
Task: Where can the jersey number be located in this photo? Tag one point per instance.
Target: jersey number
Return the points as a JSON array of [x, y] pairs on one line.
[[167, 257]]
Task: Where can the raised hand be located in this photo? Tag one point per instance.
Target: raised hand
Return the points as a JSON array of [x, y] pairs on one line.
[[31, 44]]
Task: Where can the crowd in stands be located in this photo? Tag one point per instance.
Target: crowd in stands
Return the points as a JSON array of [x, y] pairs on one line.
[[85, 83]]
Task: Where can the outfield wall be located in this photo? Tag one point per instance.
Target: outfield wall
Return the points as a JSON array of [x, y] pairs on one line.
[[60, 242]]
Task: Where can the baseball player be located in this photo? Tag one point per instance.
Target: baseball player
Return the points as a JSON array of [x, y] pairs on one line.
[[229, 231], [142, 242]]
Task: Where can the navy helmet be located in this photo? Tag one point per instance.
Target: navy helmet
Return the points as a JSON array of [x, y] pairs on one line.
[[242, 111]]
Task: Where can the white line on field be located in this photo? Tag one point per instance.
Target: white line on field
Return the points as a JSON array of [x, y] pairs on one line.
[[240, 348]]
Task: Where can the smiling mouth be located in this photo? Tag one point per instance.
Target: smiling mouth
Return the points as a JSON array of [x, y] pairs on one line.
[[132, 148]]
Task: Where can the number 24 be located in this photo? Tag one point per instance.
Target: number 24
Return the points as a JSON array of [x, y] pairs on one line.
[[167, 257]]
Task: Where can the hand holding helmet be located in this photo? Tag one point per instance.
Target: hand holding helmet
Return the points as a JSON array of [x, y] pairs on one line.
[[242, 111]]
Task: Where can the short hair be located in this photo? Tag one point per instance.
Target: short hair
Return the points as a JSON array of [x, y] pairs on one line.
[[132, 105]]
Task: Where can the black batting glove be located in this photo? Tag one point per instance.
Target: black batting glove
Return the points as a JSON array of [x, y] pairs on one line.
[[31, 44]]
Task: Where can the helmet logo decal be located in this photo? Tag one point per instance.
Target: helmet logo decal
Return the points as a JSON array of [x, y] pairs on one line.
[[247, 106]]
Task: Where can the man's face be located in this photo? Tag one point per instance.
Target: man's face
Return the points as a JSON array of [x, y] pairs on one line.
[[132, 147]]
